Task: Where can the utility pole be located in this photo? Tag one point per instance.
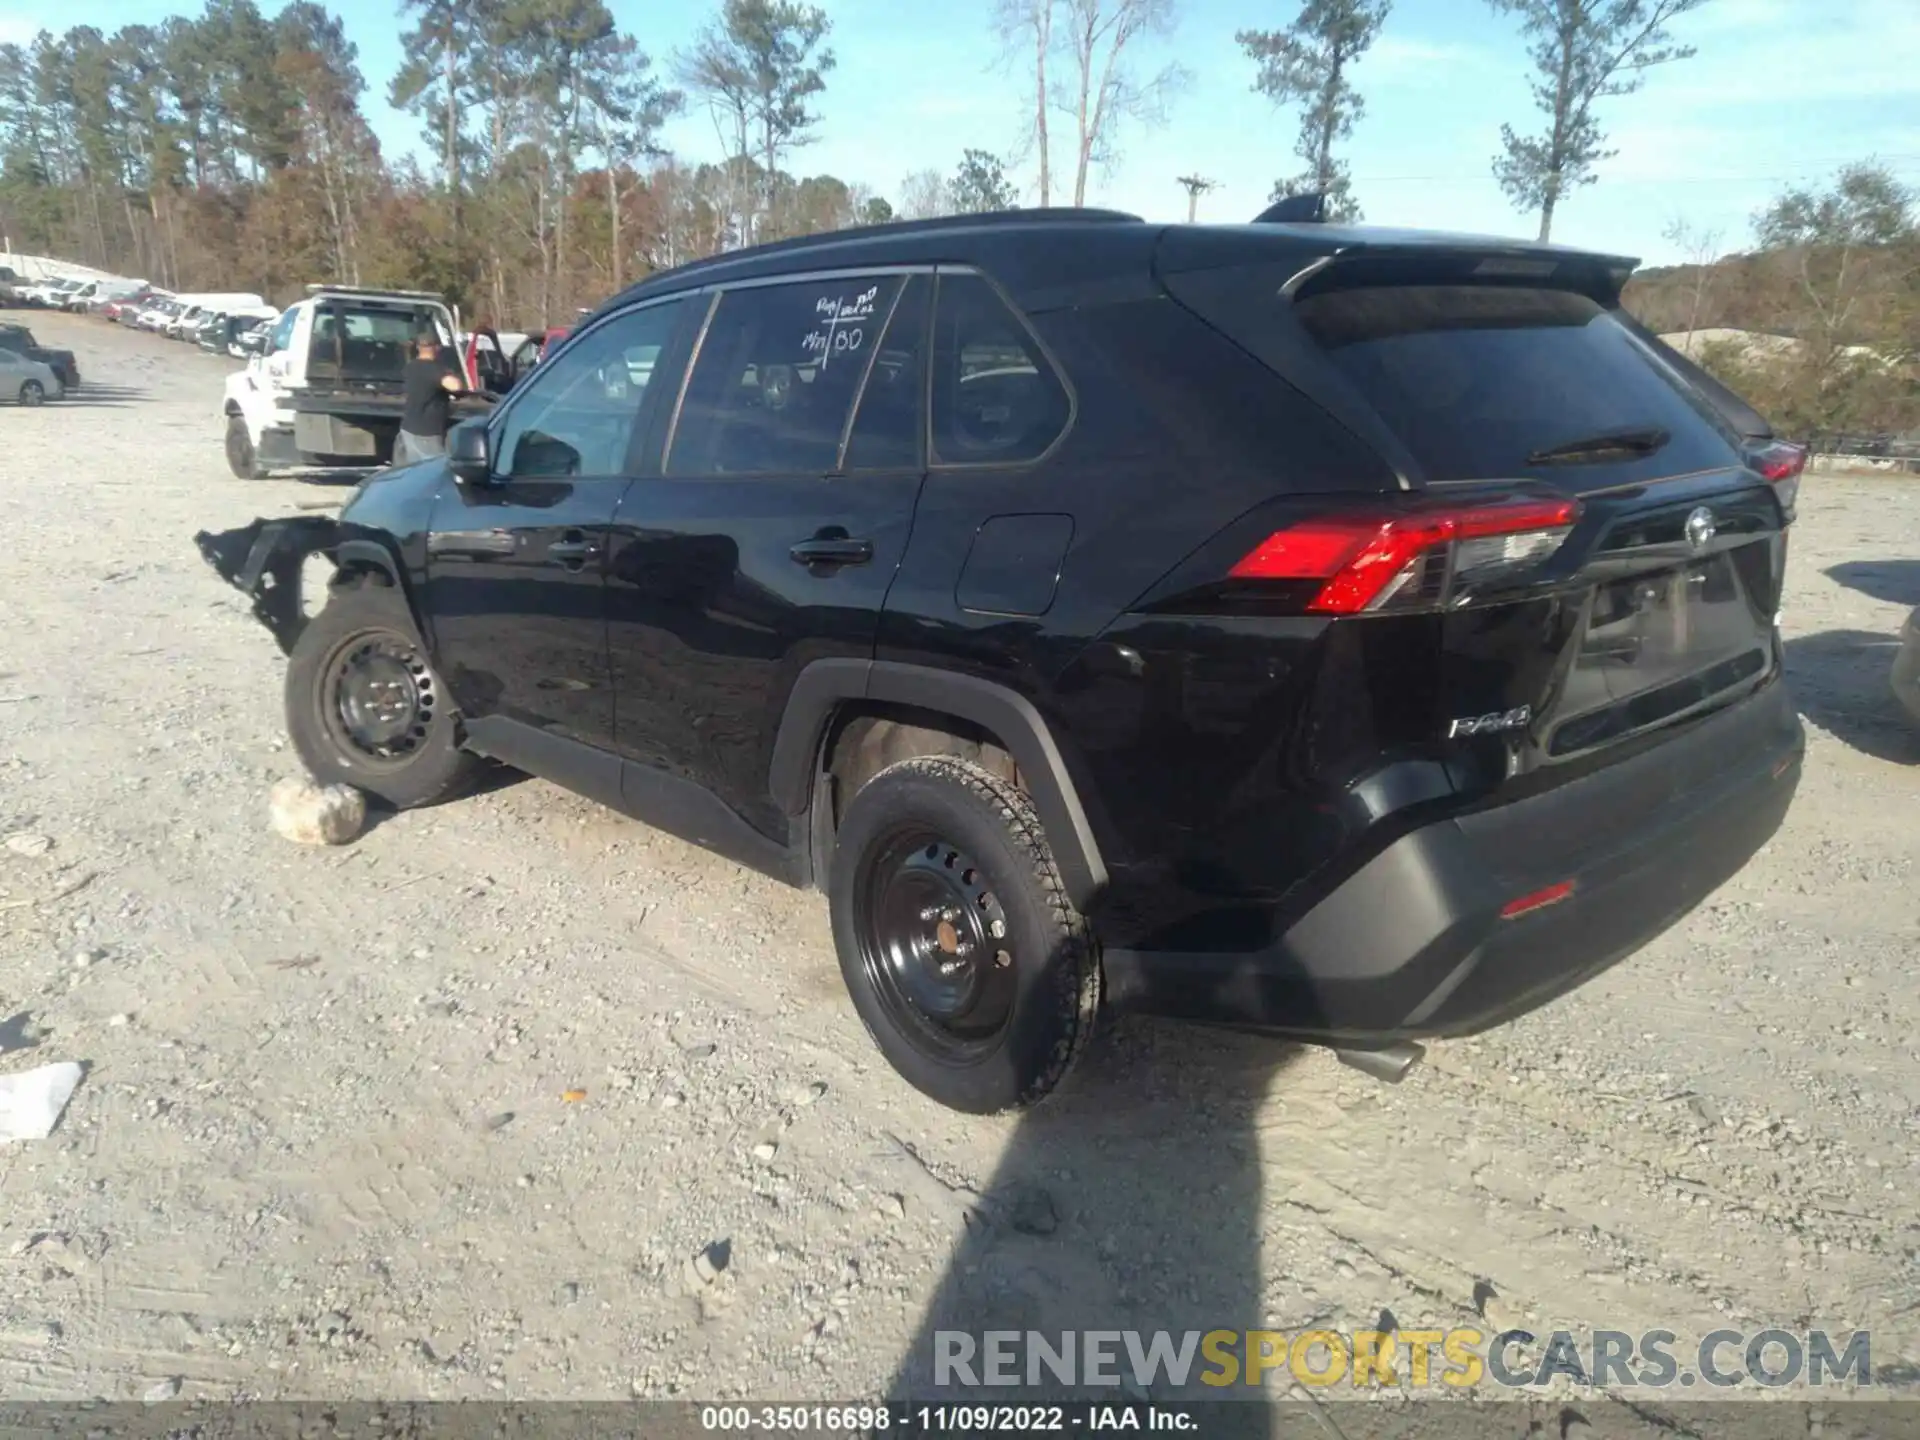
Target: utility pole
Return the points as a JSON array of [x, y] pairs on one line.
[[1195, 187]]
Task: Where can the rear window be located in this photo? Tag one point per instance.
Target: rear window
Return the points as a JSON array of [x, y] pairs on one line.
[[367, 342], [1475, 379]]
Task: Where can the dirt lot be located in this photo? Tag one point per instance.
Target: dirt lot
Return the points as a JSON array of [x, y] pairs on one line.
[[322, 1148]]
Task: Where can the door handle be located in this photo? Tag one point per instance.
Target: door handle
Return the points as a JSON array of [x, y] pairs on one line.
[[830, 551], [573, 551]]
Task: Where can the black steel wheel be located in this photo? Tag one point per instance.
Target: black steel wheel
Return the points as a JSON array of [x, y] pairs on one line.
[[378, 697], [364, 707], [967, 962], [933, 939]]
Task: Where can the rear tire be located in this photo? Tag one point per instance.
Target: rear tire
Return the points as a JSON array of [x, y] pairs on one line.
[[365, 709], [972, 970], [240, 455], [32, 393]]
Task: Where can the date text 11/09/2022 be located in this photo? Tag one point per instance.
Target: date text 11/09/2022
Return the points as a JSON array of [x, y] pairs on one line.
[[872, 1420]]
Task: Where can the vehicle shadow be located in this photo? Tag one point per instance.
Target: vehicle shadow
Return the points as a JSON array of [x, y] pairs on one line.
[[1841, 682], [1897, 582], [102, 397], [1131, 1200]]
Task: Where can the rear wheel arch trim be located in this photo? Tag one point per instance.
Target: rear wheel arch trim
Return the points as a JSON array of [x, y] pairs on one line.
[[826, 685]]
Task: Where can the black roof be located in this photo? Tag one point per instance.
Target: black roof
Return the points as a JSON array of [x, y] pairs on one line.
[[1055, 256]]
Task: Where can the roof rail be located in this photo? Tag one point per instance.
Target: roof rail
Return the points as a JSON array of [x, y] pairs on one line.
[[1307, 209], [375, 290], [1054, 215]]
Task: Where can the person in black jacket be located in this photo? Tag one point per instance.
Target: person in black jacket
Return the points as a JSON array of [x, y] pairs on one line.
[[430, 384]]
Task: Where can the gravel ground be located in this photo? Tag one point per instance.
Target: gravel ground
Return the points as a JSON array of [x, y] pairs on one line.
[[324, 1146]]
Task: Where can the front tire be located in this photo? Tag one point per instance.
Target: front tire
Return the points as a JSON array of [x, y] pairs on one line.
[[240, 455], [972, 970], [32, 393], [365, 709]]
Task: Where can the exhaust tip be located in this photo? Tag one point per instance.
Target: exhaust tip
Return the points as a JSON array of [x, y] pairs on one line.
[[1390, 1063]]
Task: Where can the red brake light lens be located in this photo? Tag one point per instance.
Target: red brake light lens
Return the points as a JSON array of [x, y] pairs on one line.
[[1369, 562], [1780, 461], [1780, 465]]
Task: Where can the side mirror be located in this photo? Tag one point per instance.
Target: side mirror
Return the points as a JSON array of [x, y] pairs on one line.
[[467, 453]]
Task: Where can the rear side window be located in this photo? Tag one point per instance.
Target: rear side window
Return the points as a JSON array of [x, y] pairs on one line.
[[776, 375], [1480, 382], [996, 398]]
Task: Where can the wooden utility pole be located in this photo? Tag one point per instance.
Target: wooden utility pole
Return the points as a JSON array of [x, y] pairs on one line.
[[1195, 187]]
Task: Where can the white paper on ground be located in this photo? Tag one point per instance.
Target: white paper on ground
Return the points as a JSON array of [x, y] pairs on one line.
[[31, 1100]]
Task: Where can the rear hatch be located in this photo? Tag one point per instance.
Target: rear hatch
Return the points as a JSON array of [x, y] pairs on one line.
[[1588, 537]]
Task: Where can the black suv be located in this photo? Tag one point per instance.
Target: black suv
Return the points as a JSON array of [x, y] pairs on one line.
[[1353, 634]]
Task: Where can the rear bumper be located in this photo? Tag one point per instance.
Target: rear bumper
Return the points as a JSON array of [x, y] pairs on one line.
[[1413, 945]]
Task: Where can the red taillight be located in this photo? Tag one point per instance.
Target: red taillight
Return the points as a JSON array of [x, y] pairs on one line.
[[1780, 461], [1364, 562], [1538, 900], [1781, 465]]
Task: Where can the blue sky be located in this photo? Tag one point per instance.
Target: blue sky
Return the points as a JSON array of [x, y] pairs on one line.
[[1781, 91]]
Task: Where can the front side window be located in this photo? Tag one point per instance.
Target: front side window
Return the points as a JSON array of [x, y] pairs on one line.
[[576, 414], [283, 331], [776, 377], [996, 398]]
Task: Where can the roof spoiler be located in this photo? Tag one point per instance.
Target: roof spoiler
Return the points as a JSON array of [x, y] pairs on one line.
[[1307, 209]]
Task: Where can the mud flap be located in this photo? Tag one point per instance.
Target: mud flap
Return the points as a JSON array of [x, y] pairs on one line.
[[263, 561]]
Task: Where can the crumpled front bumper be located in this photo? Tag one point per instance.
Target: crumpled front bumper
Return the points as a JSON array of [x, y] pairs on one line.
[[263, 561]]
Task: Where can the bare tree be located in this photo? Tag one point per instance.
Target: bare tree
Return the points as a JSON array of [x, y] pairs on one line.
[[923, 195], [1104, 91], [1702, 249], [1584, 51], [1310, 64], [715, 72], [1196, 186], [1026, 27]]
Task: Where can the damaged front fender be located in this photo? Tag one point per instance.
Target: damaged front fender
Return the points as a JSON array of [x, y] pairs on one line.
[[263, 562]]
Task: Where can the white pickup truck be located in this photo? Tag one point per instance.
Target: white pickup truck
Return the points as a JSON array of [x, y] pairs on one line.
[[328, 390]]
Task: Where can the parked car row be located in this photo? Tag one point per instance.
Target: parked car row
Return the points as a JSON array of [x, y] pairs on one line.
[[218, 323]]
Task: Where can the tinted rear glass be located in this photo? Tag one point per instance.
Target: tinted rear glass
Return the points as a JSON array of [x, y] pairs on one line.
[[1475, 379], [366, 342]]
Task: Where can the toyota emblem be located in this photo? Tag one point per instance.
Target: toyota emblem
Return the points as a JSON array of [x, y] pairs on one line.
[[1700, 528]]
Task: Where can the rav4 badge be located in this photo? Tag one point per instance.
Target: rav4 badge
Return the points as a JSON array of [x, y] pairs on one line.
[[1490, 724]]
